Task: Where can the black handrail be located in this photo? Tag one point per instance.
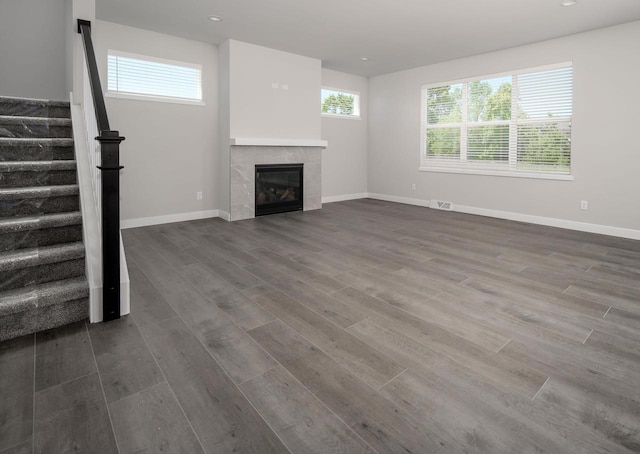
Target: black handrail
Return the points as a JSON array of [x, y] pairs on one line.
[[110, 173]]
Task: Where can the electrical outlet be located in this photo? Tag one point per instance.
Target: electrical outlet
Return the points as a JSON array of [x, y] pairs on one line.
[[198, 195], [584, 205], [413, 187], [274, 85], [284, 86]]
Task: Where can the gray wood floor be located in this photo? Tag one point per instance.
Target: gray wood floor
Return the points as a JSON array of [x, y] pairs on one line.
[[364, 327]]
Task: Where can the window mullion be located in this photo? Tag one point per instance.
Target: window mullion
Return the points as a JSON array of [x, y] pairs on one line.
[[513, 125], [463, 127]]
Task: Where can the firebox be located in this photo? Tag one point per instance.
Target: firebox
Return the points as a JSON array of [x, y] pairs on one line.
[[279, 188]]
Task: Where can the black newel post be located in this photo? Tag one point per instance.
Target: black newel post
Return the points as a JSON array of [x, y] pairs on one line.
[[110, 177]]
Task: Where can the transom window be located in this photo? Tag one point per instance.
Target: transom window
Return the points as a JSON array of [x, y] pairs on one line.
[[150, 78], [339, 103], [516, 124]]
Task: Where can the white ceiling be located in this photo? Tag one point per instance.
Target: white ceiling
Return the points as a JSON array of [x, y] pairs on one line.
[[394, 34]]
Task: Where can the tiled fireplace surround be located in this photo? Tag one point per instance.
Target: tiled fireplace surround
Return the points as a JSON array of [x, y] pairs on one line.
[[243, 161]]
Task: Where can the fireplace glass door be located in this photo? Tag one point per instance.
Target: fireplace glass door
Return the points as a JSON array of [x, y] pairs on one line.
[[279, 188]]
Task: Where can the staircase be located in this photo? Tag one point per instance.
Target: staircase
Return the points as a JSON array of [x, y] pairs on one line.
[[42, 259]]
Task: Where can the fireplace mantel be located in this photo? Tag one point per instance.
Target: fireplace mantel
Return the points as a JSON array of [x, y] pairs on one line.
[[258, 142]]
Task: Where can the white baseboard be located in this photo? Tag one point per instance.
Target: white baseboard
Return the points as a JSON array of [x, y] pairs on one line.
[[520, 217], [224, 215], [551, 222], [342, 198], [180, 217], [393, 198]]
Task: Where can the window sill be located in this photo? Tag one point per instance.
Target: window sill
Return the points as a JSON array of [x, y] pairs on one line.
[[110, 94], [348, 117], [496, 173]]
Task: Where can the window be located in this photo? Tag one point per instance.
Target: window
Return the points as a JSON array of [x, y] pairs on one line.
[[517, 124], [142, 77], [339, 103]]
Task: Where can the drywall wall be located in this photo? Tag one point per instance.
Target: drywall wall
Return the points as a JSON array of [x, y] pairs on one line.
[[344, 161], [605, 148], [170, 151], [34, 57], [273, 94]]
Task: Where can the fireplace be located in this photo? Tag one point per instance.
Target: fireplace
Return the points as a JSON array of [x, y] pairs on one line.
[[279, 188]]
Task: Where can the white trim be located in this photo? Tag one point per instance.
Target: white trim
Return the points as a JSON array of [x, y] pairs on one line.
[[344, 197], [497, 173], [258, 142], [167, 219], [393, 198], [517, 72], [224, 215], [520, 217], [346, 117], [139, 97]]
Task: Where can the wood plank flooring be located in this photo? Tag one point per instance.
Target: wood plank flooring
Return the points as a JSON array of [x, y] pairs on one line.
[[364, 327]]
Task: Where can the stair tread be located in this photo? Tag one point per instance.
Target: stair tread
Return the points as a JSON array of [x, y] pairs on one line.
[[19, 300], [43, 221], [37, 166], [50, 121], [34, 101], [36, 192], [25, 258], [57, 141]]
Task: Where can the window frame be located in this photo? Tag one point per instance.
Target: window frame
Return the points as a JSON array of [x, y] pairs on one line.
[[348, 92], [155, 98], [426, 166]]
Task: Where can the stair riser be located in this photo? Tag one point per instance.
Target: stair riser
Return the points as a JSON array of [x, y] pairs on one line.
[[42, 110], [22, 179], [43, 318], [35, 153], [40, 237], [42, 273], [30, 130], [28, 207]]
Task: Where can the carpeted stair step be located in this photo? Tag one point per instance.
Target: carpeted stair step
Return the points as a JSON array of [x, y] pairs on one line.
[[25, 107], [34, 127], [38, 231], [40, 149], [42, 264], [15, 174], [36, 200], [39, 307]]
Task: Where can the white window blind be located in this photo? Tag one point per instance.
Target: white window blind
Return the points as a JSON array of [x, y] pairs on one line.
[[339, 103], [514, 124], [139, 76]]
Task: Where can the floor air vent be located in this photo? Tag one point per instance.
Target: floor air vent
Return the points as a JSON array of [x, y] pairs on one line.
[[441, 205]]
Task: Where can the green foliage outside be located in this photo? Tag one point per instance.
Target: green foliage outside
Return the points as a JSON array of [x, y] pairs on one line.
[[540, 146], [338, 104]]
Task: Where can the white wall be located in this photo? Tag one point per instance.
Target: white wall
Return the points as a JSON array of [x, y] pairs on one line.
[[33, 49], [259, 110], [170, 151], [605, 151], [344, 161]]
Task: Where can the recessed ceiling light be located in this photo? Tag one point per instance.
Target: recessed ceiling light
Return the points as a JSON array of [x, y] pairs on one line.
[[215, 18], [364, 58], [568, 3]]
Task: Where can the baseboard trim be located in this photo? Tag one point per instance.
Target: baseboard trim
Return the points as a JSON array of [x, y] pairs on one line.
[[167, 219], [224, 215], [520, 217], [393, 198], [344, 197]]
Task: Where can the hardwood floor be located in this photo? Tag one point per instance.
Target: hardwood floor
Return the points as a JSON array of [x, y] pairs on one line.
[[367, 326]]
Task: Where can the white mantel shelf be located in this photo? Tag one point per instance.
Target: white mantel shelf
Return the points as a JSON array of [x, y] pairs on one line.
[[279, 142]]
